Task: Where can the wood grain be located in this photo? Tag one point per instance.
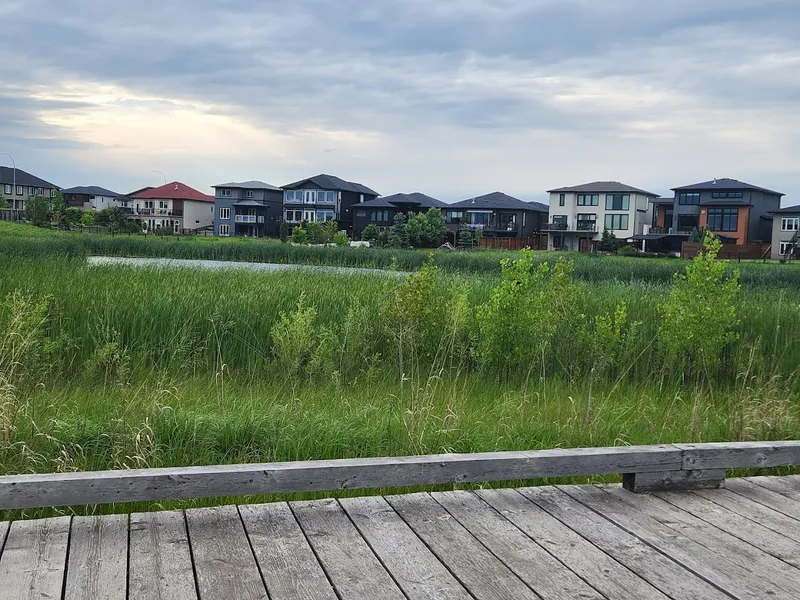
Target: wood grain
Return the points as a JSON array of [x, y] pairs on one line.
[[34, 559], [98, 558]]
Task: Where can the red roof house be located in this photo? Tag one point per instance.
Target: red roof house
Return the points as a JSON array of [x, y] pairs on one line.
[[174, 205], [173, 191]]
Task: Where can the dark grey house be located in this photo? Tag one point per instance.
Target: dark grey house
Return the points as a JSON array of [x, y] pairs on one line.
[[324, 198], [18, 185], [738, 212], [249, 208], [381, 211], [498, 215]]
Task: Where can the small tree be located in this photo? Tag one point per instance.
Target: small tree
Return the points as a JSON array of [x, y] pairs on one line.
[[370, 233], [437, 226], [300, 235], [695, 236], [399, 234], [87, 219], [3, 201], [340, 239], [465, 237], [283, 232], [608, 242], [37, 211]]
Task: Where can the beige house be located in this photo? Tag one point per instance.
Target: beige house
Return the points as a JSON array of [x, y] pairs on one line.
[[785, 228], [18, 185], [174, 206]]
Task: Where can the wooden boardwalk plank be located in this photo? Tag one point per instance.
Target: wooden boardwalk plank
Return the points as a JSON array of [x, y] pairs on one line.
[[753, 533], [783, 504], [748, 557], [3, 533], [594, 566], [414, 567], [662, 572], [692, 555], [788, 486], [533, 564], [288, 565], [160, 560], [98, 558], [769, 518], [34, 559], [481, 572], [223, 560], [349, 562]]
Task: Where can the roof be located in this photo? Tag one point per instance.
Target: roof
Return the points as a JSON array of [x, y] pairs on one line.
[[497, 200], [649, 236], [725, 202], [174, 191], [725, 184], [139, 191], [249, 185], [250, 203], [540, 207], [416, 198], [91, 190], [331, 182], [788, 209], [602, 187], [8, 175]]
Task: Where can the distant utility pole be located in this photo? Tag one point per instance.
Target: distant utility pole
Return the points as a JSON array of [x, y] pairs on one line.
[[164, 176]]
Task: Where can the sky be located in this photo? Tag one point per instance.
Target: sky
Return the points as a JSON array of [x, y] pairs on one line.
[[453, 98]]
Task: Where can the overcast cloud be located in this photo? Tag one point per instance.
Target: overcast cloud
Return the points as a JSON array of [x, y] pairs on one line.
[[453, 98]]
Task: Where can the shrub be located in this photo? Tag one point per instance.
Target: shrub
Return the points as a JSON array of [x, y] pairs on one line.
[[628, 251], [340, 239], [370, 233], [608, 242], [300, 235], [283, 232], [294, 339]]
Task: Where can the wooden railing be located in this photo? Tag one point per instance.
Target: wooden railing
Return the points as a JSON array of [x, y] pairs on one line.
[[644, 468]]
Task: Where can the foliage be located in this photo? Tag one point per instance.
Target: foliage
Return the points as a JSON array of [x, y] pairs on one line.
[[300, 235], [37, 211], [608, 242], [700, 314], [340, 239], [4, 202], [695, 236], [294, 339], [465, 239], [321, 232], [87, 218], [283, 232], [428, 229], [370, 233], [398, 237], [627, 250]]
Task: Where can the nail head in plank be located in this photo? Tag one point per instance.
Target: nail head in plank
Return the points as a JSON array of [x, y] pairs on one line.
[[160, 561], [223, 561], [98, 558], [288, 565], [414, 567], [351, 565], [34, 559]]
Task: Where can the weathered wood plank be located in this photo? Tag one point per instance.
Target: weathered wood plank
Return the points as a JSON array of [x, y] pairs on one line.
[[98, 558], [734, 455], [415, 569], [34, 558], [531, 563], [788, 486], [288, 565], [639, 483], [349, 562], [753, 533], [723, 573], [769, 518], [783, 504], [223, 561], [160, 560], [134, 485], [3, 533], [482, 573], [651, 565]]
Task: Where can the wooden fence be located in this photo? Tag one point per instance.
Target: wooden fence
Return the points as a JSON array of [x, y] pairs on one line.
[[536, 242], [730, 251], [644, 468]]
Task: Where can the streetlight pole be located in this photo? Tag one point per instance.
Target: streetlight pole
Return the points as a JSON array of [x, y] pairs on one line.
[[164, 176], [13, 175]]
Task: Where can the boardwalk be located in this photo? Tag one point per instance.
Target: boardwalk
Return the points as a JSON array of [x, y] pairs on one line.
[[560, 543]]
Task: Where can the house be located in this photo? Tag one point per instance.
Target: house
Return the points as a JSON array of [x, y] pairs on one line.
[[94, 198], [174, 206], [249, 208], [322, 198], [579, 214], [18, 185], [736, 211], [381, 211], [785, 232], [497, 215]]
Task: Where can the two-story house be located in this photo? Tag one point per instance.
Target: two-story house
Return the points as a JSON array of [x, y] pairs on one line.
[[324, 198], [249, 208], [579, 214], [736, 211], [18, 185], [786, 232], [497, 215], [94, 197], [381, 211], [174, 206]]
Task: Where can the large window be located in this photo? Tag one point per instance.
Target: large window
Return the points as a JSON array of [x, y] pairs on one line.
[[688, 222], [587, 222], [690, 198], [723, 219], [479, 218], [224, 214], [294, 216], [225, 193], [562, 199], [224, 230], [453, 216], [325, 215], [295, 196], [790, 223], [617, 222], [326, 197], [379, 216], [8, 188], [588, 199], [618, 202], [31, 191], [727, 195]]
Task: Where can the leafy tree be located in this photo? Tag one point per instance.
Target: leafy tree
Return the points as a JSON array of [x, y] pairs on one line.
[[37, 211], [4, 203], [283, 232], [383, 238], [608, 242], [300, 235], [340, 239], [57, 204], [437, 226], [87, 219], [370, 233], [428, 229], [398, 237]]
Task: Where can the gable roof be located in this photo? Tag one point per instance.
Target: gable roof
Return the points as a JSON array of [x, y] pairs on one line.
[[789, 209], [725, 184], [91, 190], [495, 200], [249, 185], [539, 206], [8, 175], [417, 199], [331, 182], [173, 191], [602, 187]]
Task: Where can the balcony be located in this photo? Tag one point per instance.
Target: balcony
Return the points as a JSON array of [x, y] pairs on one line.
[[156, 212], [586, 226], [249, 219], [555, 226]]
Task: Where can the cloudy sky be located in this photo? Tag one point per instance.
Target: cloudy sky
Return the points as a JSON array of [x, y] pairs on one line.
[[453, 98]]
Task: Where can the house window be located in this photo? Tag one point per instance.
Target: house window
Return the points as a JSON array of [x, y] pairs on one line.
[[479, 218], [52, 193], [294, 216], [689, 198], [727, 195], [20, 190], [617, 222], [225, 193], [325, 215], [562, 199], [309, 197], [560, 219], [618, 202], [379, 216], [587, 222], [294, 196], [326, 197], [688, 222], [8, 188], [723, 219], [148, 204], [361, 214], [790, 223], [225, 230], [31, 191], [588, 199], [224, 214], [250, 194], [453, 216], [786, 247], [40, 191]]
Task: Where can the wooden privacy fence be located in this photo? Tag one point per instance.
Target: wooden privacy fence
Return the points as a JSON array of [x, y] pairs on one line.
[[730, 251], [536, 242], [644, 468]]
